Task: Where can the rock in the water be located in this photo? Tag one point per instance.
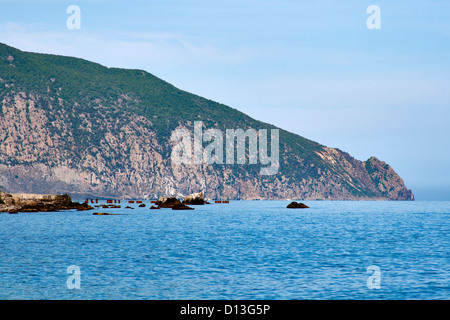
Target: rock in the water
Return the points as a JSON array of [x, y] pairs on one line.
[[168, 202], [171, 202], [142, 205], [194, 199], [84, 207], [103, 214], [182, 207], [295, 205]]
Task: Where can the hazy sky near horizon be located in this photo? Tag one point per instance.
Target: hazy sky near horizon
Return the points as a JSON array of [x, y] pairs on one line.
[[311, 67]]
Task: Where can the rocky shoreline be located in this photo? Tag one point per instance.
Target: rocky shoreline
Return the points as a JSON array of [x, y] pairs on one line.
[[19, 202]]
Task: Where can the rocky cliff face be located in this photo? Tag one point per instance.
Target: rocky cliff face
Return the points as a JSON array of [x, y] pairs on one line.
[[71, 126]]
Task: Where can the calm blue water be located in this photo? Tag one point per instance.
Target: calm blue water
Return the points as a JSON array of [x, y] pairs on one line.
[[241, 250]]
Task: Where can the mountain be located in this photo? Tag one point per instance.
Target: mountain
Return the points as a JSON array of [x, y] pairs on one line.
[[68, 125]]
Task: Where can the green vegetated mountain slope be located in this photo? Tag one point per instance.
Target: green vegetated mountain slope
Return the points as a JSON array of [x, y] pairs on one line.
[[70, 125]]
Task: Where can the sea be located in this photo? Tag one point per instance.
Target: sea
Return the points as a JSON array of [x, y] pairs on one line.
[[242, 250]]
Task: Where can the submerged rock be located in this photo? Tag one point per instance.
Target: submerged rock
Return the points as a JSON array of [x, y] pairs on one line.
[[142, 205], [153, 207], [104, 214], [182, 207], [295, 205], [84, 207]]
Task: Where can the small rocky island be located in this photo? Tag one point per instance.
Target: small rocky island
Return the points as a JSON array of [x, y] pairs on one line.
[[20, 202], [195, 199], [175, 204], [171, 202], [296, 205]]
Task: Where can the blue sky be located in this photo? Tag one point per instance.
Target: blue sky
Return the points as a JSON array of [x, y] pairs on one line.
[[311, 67]]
